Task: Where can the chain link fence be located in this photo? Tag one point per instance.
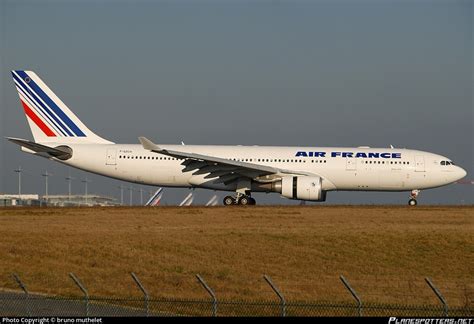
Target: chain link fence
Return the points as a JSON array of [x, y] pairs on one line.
[[34, 305], [14, 304]]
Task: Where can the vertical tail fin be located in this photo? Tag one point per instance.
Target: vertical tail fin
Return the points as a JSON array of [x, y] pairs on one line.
[[49, 118]]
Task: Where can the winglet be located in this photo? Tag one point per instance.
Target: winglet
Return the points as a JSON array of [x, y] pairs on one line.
[[149, 145]]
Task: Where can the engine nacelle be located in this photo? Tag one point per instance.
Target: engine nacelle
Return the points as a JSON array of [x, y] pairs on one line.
[[303, 187]]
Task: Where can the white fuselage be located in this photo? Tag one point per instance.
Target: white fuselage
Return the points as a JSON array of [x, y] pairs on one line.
[[362, 169], [304, 173]]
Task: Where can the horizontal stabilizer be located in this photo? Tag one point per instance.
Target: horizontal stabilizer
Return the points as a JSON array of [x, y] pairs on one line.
[[61, 152]]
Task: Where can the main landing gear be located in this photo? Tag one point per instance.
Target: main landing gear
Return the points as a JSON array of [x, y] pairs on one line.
[[413, 195], [241, 199]]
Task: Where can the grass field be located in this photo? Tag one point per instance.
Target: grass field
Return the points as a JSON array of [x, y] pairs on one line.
[[384, 252]]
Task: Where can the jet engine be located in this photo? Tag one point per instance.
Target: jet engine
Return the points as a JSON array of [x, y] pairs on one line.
[[302, 187]]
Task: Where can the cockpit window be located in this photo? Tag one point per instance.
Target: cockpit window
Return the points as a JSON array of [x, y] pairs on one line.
[[447, 163]]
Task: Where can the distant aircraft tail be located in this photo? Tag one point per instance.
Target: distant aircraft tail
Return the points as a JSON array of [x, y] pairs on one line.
[[50, 120], [155, 200], [188, 200]]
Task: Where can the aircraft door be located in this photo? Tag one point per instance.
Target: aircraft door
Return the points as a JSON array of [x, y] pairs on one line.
[[351, 164], [111, 157], [419, 163]]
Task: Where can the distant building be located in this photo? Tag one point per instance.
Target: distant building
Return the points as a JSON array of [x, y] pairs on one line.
[[7, 200], [79, 200]]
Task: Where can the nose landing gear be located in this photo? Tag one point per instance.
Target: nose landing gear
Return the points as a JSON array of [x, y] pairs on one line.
[[413, 195]]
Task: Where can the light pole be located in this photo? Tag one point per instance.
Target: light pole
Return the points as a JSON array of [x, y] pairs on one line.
[[86, 181], [46, 175], [69, 180], [19, 170], [121, 194]]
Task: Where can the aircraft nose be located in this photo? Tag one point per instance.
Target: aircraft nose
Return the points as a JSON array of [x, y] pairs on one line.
[[460, 173]]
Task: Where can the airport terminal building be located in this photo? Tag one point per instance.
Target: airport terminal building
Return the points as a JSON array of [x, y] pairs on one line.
[[9, 200]]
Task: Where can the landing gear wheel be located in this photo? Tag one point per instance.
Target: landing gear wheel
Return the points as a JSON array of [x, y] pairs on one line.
[[244, 201], [229, 200], [253, 201], [412, 202]]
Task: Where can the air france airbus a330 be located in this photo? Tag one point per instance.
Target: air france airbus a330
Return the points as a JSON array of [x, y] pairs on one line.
[[304, 173]]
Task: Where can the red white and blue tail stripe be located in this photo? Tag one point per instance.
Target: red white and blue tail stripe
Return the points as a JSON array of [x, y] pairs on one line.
[[49, 118], [155, 200]]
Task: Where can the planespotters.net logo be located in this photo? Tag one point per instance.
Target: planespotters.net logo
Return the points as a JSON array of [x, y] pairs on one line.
[[395, 320]]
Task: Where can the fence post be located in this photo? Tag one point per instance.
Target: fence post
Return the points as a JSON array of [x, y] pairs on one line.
[[353, 293], [439, 295], [213, 296], [145, 293], [279, 294], [83, 289], [25, 290]]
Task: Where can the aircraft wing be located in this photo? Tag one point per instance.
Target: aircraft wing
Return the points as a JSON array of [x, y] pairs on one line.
[[226, 170]]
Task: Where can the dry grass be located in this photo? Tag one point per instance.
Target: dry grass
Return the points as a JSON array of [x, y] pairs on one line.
[[385, 252]]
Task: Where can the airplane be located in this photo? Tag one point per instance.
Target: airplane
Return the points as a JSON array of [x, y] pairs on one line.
[[213, 201], [155, 199], [300, 173], [188, 200]]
